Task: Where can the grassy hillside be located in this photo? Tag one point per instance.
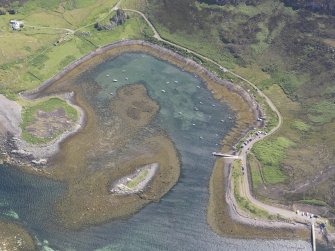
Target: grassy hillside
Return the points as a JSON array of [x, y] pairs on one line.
[[55, 33], [291, 56]]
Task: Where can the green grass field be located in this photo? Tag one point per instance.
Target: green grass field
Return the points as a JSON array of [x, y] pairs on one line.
[[34, 54], [271, 153], [256, 172]]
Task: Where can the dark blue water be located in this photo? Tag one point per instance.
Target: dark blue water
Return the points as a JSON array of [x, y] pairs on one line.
[[196, 122]]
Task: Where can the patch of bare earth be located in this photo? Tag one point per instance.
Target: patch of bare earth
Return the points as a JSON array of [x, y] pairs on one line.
[[49, 124]]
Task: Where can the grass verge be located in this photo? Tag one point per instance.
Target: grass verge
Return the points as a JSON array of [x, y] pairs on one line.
[[256, 172], [242, 202]]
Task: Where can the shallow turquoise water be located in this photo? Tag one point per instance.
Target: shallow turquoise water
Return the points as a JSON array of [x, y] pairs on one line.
[[194, 121]]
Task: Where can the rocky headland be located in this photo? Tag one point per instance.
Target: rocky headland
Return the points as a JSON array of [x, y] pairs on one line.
[[15, 149]]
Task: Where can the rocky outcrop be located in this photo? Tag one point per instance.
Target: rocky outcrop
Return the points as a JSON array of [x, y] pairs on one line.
[[118, 19]]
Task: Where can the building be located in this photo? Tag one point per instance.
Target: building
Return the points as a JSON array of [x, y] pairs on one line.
[[16, 25]]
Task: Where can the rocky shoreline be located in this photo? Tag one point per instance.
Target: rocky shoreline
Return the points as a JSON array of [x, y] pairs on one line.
[[15, 150]]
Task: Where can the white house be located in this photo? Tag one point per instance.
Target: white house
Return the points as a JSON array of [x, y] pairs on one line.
[[16, 25]]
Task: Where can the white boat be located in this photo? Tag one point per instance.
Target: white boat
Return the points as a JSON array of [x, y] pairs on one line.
[[114, 80]]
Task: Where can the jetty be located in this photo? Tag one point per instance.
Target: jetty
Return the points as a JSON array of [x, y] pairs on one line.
[[313, 237], [225, 155]]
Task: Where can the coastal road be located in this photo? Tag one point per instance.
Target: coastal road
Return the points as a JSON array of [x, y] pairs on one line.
[[158, 37], [245, 186], [156, 34], [49, 28]]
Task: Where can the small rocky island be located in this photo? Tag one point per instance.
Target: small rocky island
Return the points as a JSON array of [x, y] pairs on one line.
[[135, 182]]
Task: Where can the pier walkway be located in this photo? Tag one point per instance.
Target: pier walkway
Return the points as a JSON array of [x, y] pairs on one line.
[[225, 155]]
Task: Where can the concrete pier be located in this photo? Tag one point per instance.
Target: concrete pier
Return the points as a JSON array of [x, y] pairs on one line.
[[313, 237], [224, 155]]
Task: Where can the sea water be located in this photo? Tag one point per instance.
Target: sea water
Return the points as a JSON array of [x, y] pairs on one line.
[[195, 122]]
